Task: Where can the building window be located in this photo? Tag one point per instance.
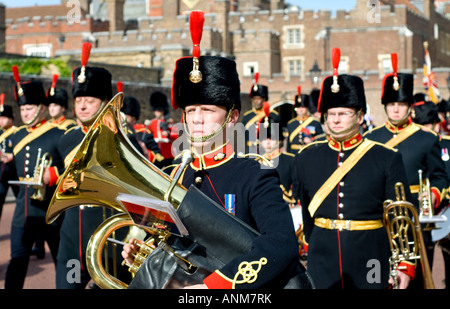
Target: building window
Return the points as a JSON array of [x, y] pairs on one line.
[[294, 67], [344, 65], [250, 68], [38, 50], [384, 64], [293, 37]]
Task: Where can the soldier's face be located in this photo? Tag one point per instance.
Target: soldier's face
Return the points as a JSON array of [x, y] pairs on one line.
[[86, 107], [257, 102], [31, 114], [397, 112], [301, 111], [203, 120], [343, 122], [55, 110], [5, 122]]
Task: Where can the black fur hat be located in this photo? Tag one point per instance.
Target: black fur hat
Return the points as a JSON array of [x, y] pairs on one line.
[[424, 112], [350, 94], [33, 93], [219, 85], [158, 101], [97, 83], [59, 97], [7, 111], [266, 127], [303, 102], [131, 107], [314, 100], [404, 92], [259, 90]]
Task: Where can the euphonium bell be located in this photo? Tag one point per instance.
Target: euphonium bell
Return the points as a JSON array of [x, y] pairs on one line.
[[105, 165]]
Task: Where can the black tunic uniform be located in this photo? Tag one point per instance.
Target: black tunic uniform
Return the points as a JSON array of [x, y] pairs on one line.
[[257, 200], [28, 222], [341, 258], [294, 130]]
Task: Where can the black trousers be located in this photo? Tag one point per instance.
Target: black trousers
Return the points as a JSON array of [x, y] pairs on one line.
[[22, 240]]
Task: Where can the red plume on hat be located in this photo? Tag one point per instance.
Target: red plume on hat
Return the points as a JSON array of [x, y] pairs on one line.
[[394, 61], [85, 53], [2, 102], [299, 91], [196, 21], [335, 58], [255, 84], [52, 88], [16, 75], [119, 87], [266, 109]]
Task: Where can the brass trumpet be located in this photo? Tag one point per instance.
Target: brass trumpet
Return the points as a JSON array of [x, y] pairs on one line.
[[426, 214], [36, 181], [400, 228]]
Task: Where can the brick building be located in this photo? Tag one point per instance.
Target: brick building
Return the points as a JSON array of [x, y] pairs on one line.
[[280, 41]]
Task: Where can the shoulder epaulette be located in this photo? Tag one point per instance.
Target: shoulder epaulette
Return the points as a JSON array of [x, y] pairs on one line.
[[292, 120], [312, 144], [248, 112], [425, 129], [376, 128], [289, 154], [446, 137], [70, 129], [384, 145]]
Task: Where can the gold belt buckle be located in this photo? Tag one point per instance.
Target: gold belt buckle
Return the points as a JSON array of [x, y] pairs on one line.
[[340, 225]]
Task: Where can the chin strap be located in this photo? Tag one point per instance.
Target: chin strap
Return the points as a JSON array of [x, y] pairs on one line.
[[207, 137]]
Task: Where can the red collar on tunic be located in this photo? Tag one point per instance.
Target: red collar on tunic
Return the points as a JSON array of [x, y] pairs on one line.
[[397, 129], [213, 158], [347, 144], [43, 121]]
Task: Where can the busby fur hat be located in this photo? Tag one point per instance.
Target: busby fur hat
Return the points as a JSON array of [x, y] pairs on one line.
[[7, 112], [131, 106], [259, 90], [301, 100], [397, 87], [158, 101], [424, 112], [57, 95], [204, 79], [314, 100], [91, 81], [30, 92], [341, 90]]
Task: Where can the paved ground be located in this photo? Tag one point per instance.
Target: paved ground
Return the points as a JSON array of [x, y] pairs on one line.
[[41, 273]]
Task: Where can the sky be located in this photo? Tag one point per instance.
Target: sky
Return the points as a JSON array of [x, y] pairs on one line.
[[305, 4]]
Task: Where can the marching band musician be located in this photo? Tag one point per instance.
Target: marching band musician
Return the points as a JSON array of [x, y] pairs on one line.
[[29, 144], [258, 95], [426, 114], [91, 91], [342, 215], [57, 105], [7, 170], [419, 148], [142, 140], [271, 137], [303, 128], [161, 128], [251, 193]]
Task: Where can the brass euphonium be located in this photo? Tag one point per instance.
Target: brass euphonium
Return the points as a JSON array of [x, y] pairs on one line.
[[401, 228], [36, 181], [105, 165], [426, 214]]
